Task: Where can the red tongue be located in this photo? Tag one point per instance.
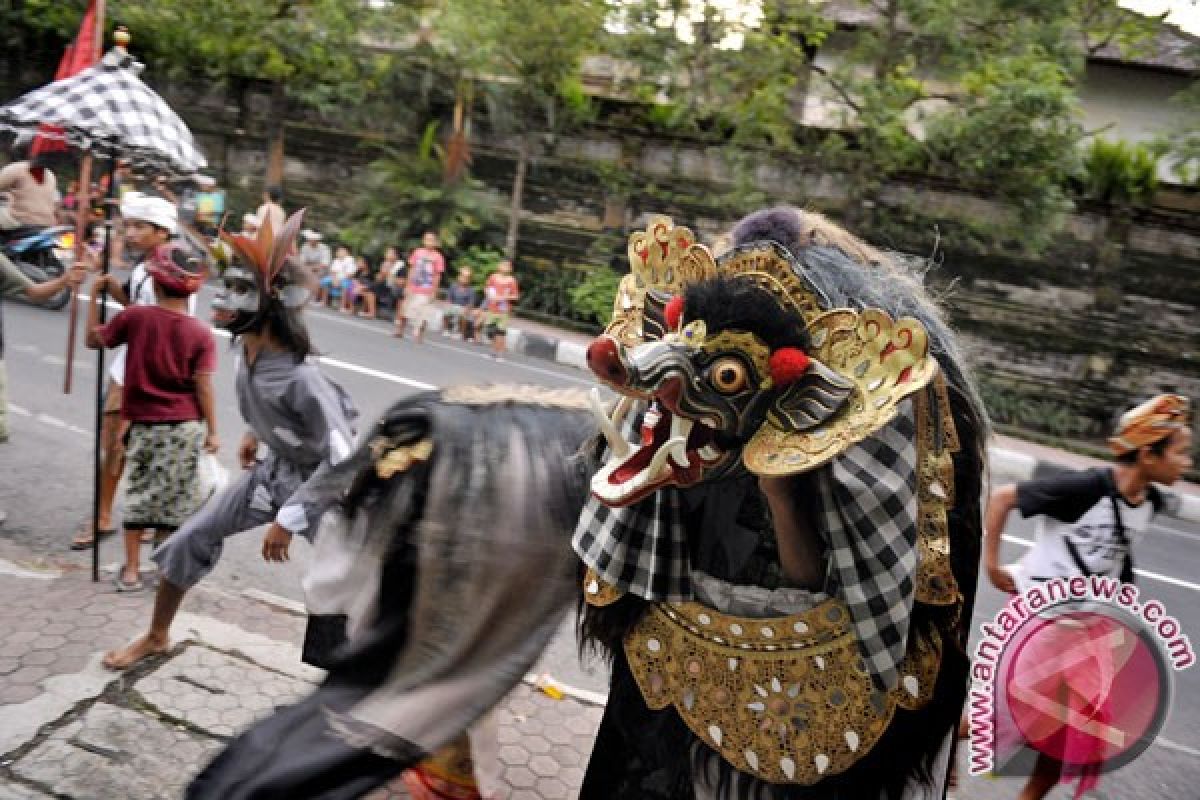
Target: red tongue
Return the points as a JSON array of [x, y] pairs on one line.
[[652, 440]]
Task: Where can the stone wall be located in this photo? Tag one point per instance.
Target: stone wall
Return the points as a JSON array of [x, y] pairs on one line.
[[1059, 342]]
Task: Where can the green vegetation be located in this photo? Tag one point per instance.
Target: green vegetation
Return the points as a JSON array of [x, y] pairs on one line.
[[404, 194], [1120, 173]]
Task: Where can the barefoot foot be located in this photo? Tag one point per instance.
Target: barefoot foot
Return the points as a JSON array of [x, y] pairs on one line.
[[135, 651]]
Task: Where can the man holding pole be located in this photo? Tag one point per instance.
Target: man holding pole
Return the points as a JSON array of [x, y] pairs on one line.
[[149, 222]]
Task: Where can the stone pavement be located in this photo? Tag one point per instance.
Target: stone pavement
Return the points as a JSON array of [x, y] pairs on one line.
[[71, 729]]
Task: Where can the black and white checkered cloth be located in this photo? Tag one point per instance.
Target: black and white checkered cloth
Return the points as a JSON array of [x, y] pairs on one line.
[[866, 509], [108, 111]]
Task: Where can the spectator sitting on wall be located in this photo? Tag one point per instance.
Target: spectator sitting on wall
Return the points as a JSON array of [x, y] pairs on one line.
[[337, 283], [462, 313], [389, 279], [361, 290], [315, 255]]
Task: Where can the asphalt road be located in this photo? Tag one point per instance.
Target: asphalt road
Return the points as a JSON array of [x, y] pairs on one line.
[[46, 490]]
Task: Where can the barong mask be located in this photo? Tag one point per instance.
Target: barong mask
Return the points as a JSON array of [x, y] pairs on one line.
[[744, 366], [259, 279]]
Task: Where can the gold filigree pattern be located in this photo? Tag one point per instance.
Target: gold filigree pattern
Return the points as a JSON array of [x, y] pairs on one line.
[[769, 268], [629, 308], [598, 593], [388, 462], [937, 440], [886, 360], [787, 699], [749, 345], [667, 258]]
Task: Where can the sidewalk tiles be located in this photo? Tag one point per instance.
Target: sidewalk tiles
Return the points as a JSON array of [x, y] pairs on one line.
[[70, 729]]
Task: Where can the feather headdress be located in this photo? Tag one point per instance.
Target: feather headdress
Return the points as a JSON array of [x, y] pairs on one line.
[[266, 253]]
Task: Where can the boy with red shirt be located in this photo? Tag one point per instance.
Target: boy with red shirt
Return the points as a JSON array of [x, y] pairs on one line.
[[500, 295], [168, 400]]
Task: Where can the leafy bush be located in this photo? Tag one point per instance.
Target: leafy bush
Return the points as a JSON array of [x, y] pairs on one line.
[[592, 300], [1120, 172], [404, 194], [480, 260]]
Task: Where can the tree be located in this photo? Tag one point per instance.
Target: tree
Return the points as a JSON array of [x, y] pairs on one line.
[[314, 52], [404, 194], [1182, 144], [977, 92], [520, 59]]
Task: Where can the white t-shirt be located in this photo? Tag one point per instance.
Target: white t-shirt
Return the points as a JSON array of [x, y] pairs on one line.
[[1077, 532], [342, 268], [141, 293]]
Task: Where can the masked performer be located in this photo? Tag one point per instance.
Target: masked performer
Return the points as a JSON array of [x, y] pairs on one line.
[[304, 419], [782, 561], [780, 548]]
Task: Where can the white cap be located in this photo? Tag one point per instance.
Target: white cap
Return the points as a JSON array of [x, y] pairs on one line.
[[311, 235], [155, 210]]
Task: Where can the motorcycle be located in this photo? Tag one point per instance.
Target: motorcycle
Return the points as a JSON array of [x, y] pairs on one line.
[[41, 254]]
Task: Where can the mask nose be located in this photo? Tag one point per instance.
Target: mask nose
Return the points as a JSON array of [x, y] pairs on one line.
[[604, 359]]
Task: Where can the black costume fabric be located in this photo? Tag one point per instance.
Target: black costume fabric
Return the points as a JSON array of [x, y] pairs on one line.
[[468, 546]]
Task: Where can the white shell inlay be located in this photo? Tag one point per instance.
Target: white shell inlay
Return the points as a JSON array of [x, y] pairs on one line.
[[756, 707], [735, 629], [788, 766], [593, 587], [820, 661], [653, 645], [911, 685], [752, 759], [733, 665], [776, 686], [800, 627], [852, 741], [716, 734], [689, 699], [822, 762], [768, 633], [761, 691], [704, 619]]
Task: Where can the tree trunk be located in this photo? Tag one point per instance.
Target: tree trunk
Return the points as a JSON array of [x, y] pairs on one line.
[[275, 125], [518, 190]]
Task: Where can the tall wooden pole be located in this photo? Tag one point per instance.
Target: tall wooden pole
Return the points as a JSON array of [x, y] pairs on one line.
[[96, 463], [82, 212]]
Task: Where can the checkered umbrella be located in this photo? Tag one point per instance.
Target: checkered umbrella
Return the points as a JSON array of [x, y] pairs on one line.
[[107, 111]]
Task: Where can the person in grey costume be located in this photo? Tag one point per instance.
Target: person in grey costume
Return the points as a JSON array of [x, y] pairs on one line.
[[305, 420]]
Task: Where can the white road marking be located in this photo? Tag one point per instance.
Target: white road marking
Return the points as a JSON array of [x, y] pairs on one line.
[[53, 422], [380, 331], [1179, 748], [1145, 573], [375, 373]]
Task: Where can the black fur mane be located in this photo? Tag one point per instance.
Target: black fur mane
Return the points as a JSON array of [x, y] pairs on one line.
[[737, 304]]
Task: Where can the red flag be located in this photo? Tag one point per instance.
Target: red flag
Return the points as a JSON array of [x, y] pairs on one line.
[[80, 55]]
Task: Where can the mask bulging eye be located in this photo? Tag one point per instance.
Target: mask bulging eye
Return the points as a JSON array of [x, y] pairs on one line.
[[728, 375]]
